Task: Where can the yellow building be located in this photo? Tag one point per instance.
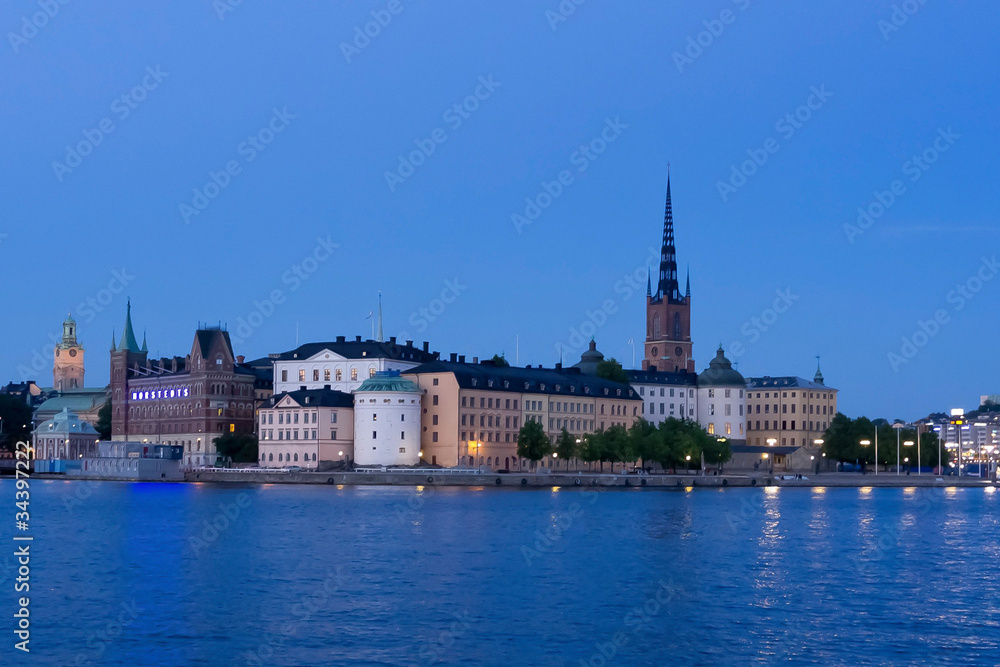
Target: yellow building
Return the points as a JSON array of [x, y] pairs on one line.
[[472, 413], [791, 411]]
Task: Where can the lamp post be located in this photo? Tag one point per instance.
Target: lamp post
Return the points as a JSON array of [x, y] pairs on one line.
[[555, 459], [819, 443], [770, 463], [865, 443], [898, 427], [957, 421], [688, 465], [909, 443]]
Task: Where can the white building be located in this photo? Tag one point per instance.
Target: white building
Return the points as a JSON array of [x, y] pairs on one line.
[[722, 399], [343, 365], [65, 436], [306, 427], [387, 421]]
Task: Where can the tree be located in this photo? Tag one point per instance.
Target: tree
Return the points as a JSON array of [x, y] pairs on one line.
[[500, 361], [842, 442], [15, 422], [610, 369], [593, 447], [566, 446], [617, 446], [646, 441], [103, 424], [532, 442], [238, 448]]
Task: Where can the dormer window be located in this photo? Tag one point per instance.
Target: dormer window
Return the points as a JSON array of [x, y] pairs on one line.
[[489, 383], [474, 382]]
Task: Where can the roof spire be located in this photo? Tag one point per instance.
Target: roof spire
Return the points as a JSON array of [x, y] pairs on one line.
[[818, 378], [380, 337], [144, 348], [128, 341], [649, 285], [688, 293], [667, 286], [114, 348]]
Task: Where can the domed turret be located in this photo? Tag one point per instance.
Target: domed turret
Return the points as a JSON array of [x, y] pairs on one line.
[[720, 373]]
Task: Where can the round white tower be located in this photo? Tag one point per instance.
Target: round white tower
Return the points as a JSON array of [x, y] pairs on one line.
[[387, 421], [722, 399]]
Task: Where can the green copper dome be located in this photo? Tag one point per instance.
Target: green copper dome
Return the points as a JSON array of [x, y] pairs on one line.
[[388, 381], [720, 372]]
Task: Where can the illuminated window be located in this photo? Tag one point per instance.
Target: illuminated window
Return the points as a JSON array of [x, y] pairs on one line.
[[326, 374], [315, 375], [711, 428], [302, 375], [371, 371], [354, 373]]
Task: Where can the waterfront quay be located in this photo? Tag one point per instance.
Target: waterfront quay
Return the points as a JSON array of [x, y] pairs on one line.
[[474, 478]]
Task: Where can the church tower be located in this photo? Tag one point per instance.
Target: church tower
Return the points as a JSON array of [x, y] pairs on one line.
[[125, 356], [668, 312], [67, 369]]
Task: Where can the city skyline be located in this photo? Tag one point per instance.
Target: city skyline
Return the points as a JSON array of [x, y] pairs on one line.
[[453, 230]]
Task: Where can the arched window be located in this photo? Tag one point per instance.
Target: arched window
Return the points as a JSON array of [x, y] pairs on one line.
[[656, 326], [677, 326], [314, 456], [270, 457], [279, 457], [296, 457]]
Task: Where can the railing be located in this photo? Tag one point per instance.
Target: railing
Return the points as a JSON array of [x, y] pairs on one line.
[[422, 471], [253, 470]]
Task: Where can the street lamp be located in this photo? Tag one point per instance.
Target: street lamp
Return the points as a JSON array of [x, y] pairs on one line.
[[865, 443], [909, 443], [770, 462], [688, 459], [898, 426]]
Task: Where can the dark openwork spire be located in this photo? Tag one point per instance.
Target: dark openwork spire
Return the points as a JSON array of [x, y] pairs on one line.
[[649, 284], [668, 286], [687, 294]]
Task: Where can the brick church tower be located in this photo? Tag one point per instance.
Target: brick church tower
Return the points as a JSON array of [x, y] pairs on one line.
[[125, 356], [668, 313]]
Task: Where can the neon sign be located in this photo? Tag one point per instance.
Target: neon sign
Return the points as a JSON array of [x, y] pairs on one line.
[[159, 394]]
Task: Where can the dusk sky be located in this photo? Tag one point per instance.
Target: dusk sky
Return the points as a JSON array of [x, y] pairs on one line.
[[309, 118]]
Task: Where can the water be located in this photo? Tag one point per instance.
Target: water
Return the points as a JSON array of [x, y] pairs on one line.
[[129, 574]]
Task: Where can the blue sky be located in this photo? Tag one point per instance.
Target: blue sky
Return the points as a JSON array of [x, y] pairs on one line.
[[248, 159]]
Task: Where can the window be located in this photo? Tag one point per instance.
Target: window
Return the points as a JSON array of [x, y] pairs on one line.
[[435, 382], [434, 436], [296, 457], [728, 393], [711, 393], [374, 436], [371, 371], [354, 373], [296, 418], [434, 399], [333, 434], [326, 374], [315, 375], [302, 375], [339, 374], [402, 450], [434, 420], [711, 428], [374, 416]]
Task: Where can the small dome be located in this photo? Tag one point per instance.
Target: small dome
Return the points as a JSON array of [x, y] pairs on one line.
[[66, 422], [388, 381], [720, 372]]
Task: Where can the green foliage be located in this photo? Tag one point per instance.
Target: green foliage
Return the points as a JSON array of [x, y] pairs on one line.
[[500, 361], [103, 424], [610, 369], [532, 442], [842, 442], [15, 422], [238, 448], [566, 446]]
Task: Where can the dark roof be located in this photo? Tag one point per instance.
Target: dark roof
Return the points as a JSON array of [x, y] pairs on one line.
[[323, 398], [662, 377], [566, 382], [359, 349], [720, 373], [768, 382], [760, 449], [205, 338]]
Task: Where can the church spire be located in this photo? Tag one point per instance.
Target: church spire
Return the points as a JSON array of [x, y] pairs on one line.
[[128, 341], [667, 287], [687, 294], [818, 378], [380, 337], [114, 348], [649, 284], [144, 348]]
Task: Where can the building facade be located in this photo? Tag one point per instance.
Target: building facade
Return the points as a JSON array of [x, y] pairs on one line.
[[67, 367], [472, 413], [306, 428], [722, 400], [386, 405], [342, 365], [186, 401], [668, 345], [65, 436], [790, 411]]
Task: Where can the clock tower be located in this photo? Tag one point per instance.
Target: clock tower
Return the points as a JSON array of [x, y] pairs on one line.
[[668, 312], [67, 371]]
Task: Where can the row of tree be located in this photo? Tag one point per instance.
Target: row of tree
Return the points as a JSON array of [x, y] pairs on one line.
[[671, 444], [842, 442]]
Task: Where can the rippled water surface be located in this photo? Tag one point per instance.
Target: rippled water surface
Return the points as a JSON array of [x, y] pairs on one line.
[[151, 574]]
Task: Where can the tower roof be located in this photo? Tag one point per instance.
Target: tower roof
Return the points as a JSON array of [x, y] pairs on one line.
[[720, 372], [668, 286], [128, 342], [818, 378]]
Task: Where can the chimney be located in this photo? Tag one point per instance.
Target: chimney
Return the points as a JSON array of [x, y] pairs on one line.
[[240, 358], [559, 366], [461, 358], [427, 346], [454, 357], [341, 339], [409, 343], [392, 339], [475, 360], [357, 339]]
